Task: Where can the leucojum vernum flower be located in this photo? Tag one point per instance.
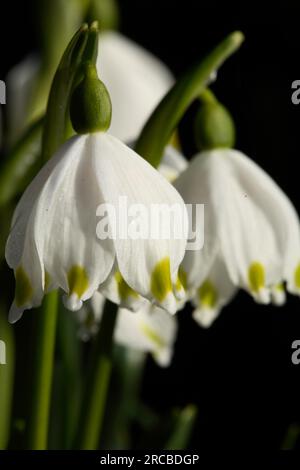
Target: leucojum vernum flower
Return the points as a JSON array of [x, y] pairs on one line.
[[252, 231], [53, 240], [110, 230]]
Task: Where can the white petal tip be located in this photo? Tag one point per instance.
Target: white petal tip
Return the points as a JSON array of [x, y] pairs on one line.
[[169, 304], [292, 289], [163, 357], [72, 302], [278, 297], [205, 316], [180, 294], [263, 296], [15, 313]]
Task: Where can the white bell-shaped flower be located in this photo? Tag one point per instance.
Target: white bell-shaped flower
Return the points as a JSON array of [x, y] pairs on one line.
[[251, 233], [53, 242], [57, 239]]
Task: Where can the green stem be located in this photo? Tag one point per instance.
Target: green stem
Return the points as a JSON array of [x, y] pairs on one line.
[[98, 379], [37, 428], [166, 117]]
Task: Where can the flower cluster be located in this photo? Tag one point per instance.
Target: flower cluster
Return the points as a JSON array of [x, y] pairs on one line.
[[251, 229]]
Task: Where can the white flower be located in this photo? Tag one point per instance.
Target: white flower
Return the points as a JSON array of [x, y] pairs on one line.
[[136, 81], [251, 230], [151, 329], [53, 241]]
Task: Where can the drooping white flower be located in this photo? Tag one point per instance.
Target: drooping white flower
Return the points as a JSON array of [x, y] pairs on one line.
[[53, 241], [251, 233], [150, 329], [136, 81]]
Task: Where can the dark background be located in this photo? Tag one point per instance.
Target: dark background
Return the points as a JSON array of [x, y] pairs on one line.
[[239, 372]]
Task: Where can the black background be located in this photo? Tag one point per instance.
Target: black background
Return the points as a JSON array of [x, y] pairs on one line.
[[239, 372]]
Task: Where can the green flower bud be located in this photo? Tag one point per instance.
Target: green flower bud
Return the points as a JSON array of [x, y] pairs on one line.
[[90, 107], [214, 126]]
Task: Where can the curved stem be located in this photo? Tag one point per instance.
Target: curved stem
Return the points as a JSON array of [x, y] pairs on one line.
[[166, 117], [37, 428], [98, 379]]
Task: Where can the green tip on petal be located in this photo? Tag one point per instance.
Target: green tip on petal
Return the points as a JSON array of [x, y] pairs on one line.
[[297, 276], [24, 290], [182, 279], [153, 336], [78, 281], [256, 276], [124, 290], [161, 283], [207, 294]]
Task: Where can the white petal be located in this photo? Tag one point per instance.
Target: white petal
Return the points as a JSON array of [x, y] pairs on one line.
[[278, 295], [259, 223], [196, 186], [173, 163], [136, 81], [150, 330], [216, 291], [58, 215], [118, 291], [145, 261]]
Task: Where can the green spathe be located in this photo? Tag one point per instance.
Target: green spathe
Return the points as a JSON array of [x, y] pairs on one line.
[[90, 108]]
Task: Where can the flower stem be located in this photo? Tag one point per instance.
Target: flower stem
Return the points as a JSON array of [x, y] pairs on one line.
[[98, 379], [37, 428], [166, 117]]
